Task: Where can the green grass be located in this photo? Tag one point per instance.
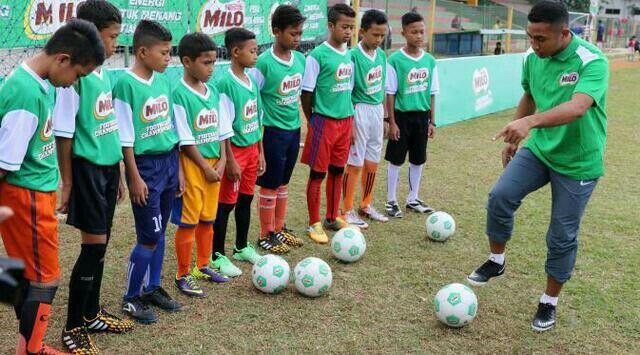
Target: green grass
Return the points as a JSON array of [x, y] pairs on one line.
[[383, 303]]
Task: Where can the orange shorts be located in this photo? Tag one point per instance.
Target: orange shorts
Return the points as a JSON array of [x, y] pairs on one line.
[[31, 235]]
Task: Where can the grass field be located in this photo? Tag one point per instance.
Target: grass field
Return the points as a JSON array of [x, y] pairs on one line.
[[383, 304]]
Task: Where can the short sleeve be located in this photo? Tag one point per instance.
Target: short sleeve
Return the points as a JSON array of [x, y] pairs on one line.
[[182, 125], [311, 72], [65, 112], [226, 109], [17, 129], [124, 116], [525, 72], [594, 80], [391, 86], [435, 82], [257, 76]]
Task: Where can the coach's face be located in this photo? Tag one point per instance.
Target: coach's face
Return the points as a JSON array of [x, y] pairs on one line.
[[547, 39]]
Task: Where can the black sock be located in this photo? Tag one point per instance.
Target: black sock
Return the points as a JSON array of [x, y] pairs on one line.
[[220, 228], [81, 281], [92, 307], [243, 219]]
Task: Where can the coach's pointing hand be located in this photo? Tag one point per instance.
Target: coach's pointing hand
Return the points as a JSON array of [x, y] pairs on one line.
[[515, 131]]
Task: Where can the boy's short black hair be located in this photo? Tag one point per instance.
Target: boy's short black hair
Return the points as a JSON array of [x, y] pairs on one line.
[[551, 12], [411, 17], [99, 12], [194, 44], [149, 33], [285, 16], [373, 17], [333, 15], [236, 37], [79, 39]]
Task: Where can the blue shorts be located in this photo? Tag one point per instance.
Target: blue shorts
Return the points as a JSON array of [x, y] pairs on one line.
[[160, 173], [281, 149]]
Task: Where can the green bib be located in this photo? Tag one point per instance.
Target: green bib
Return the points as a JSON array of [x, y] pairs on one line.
[[332, 93], [245, 98], [369, 75], [414, 78]]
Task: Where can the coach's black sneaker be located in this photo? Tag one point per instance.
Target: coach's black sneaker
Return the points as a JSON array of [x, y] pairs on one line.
[[78, 341], [545, 317], [418, 206], [161, 299], [485, 272], [393, 210], [139, 311], [273, 243]]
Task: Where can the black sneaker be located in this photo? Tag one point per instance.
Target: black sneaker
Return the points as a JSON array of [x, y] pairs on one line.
[[139, 311], [78, 341], [418, 206], [485, 272], [393, 210], [545, 317], [161, 299], [273, 243]]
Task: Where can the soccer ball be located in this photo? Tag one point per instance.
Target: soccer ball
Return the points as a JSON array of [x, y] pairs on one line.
[[313, 277], [270, 274], [440, 226], [456, 305], [348, 245]]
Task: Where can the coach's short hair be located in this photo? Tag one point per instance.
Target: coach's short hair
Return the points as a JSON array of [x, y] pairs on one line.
[[371, 17], [99, 12], [285, 16], [79, 39], [551, 12], [236, 37], [339, 9], [149, 33], [192, 45], [411, 17]]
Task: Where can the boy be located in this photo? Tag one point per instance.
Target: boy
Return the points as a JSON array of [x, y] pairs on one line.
[[278, 74], [412, 83], [370, 66], [142, 100], [203, 129], [327, 85], [245, 159], [28, 169], [89, 155]]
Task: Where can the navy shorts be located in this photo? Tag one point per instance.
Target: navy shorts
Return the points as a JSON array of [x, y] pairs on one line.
[[160, 173], [281, 149]]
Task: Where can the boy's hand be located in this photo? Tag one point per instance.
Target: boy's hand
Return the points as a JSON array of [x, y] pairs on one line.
[[121, 192], [431, 132], [233, 171], [181, 183], [262, 165], [211, 175], [352, 139], [64, 199], [220, 168], [5, 213], [138, 191], [394, 131]]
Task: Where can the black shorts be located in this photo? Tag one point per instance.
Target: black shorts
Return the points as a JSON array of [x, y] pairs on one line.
[[94, 192], [414, 127]]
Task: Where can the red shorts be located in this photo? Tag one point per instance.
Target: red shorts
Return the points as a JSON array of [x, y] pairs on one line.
[[31, 235], [247, 158], [327, 143]]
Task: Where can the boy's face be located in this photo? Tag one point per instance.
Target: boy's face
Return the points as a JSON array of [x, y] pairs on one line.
[[246, 54], [342, 29], [374, 36], [64, 74], [157, 56], [414, 34], [110, 38], [290, 37], [202, 67], [547, 39]]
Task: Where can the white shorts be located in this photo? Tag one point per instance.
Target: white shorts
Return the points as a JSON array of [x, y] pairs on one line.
[[369, 127]]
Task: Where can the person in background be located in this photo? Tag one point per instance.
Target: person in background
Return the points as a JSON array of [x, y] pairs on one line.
[[498, 49]]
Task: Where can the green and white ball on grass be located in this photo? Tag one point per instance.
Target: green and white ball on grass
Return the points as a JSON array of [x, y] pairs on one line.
[[456, 305], [348, 245], [270, 274], [440, 226], [313, 277]]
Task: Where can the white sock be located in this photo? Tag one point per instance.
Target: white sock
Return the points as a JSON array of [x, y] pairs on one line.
[[497, 258], [393, 174], [415, 175], [549, 300]]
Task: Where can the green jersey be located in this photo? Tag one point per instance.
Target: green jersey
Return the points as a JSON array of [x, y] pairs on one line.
[[328, 74], [144, 112], [242, 101], [85, 113], [200, 120], [369, 72], [575, 149], [27, 145], [412, 80], [280, 84]]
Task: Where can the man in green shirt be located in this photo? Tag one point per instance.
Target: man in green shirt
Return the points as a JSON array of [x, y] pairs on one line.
[[563, 110]]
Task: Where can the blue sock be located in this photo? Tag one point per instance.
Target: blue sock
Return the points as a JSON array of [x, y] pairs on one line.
[[138, 265], [155, 267]]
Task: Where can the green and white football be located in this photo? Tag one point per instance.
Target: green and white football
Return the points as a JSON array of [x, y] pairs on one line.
[[348, 245], [313, 277], [440, 226], [270, 274], [456, 305]]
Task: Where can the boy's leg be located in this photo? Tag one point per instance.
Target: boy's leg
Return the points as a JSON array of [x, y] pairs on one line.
[[337, 162], [274, 147], [395, 155], [316, 154], [290, 163], [355, 161], [204, 230], [242, 250], [417, 144], [371, 160]]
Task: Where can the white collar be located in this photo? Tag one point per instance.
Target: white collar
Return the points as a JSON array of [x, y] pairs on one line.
[[372, 58], [205, 96], [280, 60], [411, 57], [99, 72], [241, 82], [146, 82], [343, 52], [42, 82]]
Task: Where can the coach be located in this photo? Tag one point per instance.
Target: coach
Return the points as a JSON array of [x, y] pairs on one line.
[[563, 111]]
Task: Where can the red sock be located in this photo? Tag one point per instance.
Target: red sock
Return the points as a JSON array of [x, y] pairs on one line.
[[204, 243], [334, 189], [267, 210], [281, 207], [313, 199], [184, 249]]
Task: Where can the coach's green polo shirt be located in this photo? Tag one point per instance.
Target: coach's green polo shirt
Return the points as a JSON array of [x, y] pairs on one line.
[[575, 149]]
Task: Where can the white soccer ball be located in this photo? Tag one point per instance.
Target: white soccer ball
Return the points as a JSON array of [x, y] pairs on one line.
[[270, 274], [348, 245], [456, 305], [313, 277], [440, 226]]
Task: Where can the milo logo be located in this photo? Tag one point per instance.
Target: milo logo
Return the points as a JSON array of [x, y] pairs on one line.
[[206, 119], [480, 80], [43, 17], [47, 128], [343, 72], [217, 16], [103, 107], [416, 75], [569, 79], [154, 108], [374, 75], [290, 84], [250, 110]]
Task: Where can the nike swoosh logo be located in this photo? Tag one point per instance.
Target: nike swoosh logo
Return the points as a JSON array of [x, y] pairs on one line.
[[585, 183]]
